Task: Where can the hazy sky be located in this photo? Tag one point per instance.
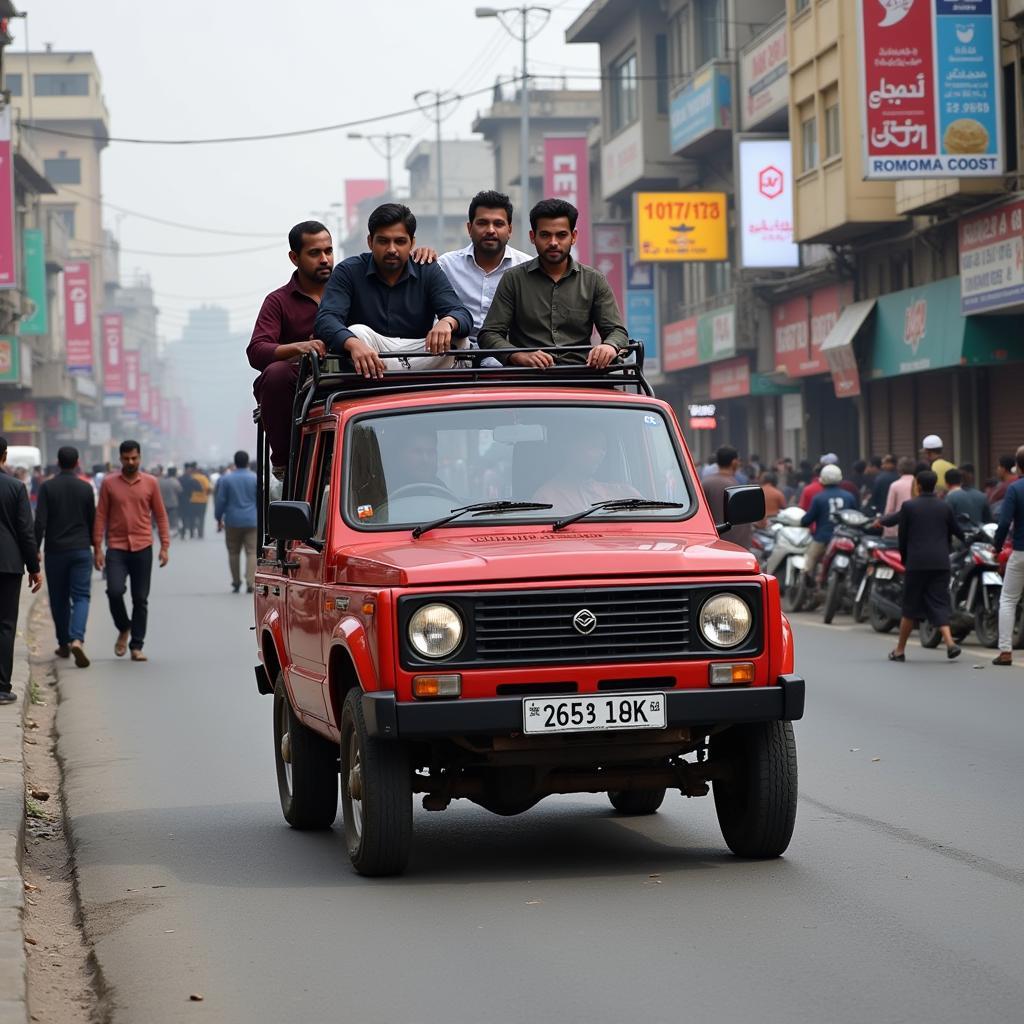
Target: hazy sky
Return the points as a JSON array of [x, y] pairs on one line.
[[235, 67]]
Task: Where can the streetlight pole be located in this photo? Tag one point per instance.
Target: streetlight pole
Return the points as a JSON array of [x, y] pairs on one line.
[[385, 145], [508, 16], [434, 111]]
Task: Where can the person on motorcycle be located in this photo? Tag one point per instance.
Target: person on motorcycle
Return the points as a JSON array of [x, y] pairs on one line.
[[831, 498]]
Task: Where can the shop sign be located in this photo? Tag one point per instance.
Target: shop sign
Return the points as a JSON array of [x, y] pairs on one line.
[[922, 329], [702, 106], [764, 77], [992, 259], [801, 326], [622, 160], [112, 330], [703, 416], [15, 362], [930, 88], [766, 204], [21, 417], [716, 334], [567, 176], [679, 345], [642, 310], [610, 241], [357, 191], [681, 226], [38, 319], [731, 379], [132, 369], [78, 316]]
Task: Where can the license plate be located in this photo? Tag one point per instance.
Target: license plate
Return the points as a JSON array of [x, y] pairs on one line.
[[594, 713], [841, 561], [884, 573], [991, 579]]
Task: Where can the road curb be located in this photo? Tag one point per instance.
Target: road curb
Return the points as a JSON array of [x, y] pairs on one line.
[[13, 966]]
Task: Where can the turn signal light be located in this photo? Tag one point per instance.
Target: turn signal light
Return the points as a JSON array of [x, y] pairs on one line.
[[735, 674], [437, 686]]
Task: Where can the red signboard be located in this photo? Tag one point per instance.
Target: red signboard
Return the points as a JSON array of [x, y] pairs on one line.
[[358, 190], [730, 378], [679, 349], [8, 262], [131, 382], [113, 355], [78, 316], [567, 176], [610, 242], [791, 325], [145, 393]]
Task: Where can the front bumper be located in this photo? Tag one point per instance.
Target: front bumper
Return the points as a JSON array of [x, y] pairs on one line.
[[496, 716]]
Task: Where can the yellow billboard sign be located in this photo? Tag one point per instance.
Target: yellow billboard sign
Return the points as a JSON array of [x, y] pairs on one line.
[[681, 226]]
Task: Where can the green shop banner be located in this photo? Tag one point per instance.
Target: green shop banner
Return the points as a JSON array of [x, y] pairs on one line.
[[921, 329], [716, 334], [37, 322]]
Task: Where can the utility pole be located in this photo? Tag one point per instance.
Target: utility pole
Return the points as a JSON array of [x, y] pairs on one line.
[[437, 106], [386, 144], [516, 21]]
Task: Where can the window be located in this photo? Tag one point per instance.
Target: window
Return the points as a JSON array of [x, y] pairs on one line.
[[624, 103], [680, 45], [661, 71], [63, 170], [321, 498], [719, 278], [61, 85], [411, 468], [66, 214], [711, 29], [801, 5], [14, 84], [808, 137], [833, 139]]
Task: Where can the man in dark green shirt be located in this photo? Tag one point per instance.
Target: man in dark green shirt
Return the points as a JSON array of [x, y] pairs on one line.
[[553, 301]]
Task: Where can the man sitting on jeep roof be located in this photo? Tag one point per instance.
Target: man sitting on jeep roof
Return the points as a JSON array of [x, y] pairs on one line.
[[553, 301]]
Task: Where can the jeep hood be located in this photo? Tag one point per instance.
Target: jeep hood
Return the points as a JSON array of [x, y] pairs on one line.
[[537, 555]]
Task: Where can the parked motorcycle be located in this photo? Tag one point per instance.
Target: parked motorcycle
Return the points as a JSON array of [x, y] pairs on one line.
[[787, 558], [859, 579], [885, 574], [837, 565], [974, 590]]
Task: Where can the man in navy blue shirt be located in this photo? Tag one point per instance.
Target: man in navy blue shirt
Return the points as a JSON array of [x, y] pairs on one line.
[[1011, 513], [832, 498], [234, 507], [381, 301]]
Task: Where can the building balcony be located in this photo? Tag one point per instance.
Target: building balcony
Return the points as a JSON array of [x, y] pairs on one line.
[[50, 379], [700, 110], [933, 195]]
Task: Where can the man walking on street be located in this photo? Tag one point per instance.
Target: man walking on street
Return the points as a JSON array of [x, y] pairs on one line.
[[926, 527], [129, 501], [18, 552], [728, 461], [932, 446], [170, 491], [1012, 513], [199, 497], [235, 512], [964, 502], [65, 515]]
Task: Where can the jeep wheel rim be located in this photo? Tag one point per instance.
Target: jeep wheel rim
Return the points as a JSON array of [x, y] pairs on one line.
[[354, 784], [285, 749]]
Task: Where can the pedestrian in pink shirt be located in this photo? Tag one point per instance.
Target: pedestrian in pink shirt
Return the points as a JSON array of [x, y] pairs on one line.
[[900, 491]]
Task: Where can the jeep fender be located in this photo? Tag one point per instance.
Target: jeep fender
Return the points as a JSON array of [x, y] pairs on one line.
[[350, 635], [275, 657]]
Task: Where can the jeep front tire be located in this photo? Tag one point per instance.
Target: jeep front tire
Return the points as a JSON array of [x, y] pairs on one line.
[[307, 768], [756, 800], [376, 795]]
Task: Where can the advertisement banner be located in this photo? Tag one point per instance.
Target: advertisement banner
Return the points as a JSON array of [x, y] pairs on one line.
[[38, 319], [766, 204], [567, 176], [702, 106], [764, 78], [145, 394], [359, 190], [8, 260], [622, 160], [112, 330], [992, 259], [610, 241], [730, 379], [131, 384], [681, 226], [716, 334], [679, 345], [931, 88], [78, 317], [642, 310], [791, 327], [15, 362], [21, 417]]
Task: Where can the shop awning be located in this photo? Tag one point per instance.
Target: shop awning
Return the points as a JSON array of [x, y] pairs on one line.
[[837, 348]]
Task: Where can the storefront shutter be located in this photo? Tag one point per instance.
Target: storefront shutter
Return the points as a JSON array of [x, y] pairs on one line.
[[1005, 412], [935, 409], [878, 403], [902, 440]]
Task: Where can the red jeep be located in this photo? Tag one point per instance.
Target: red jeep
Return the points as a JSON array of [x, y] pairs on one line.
[[503, 584]]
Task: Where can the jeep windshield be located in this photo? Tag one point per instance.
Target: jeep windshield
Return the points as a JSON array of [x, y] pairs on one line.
[[407, 469]]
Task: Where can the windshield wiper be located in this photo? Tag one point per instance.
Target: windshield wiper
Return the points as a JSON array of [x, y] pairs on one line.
[[481, 509], [615, 505]]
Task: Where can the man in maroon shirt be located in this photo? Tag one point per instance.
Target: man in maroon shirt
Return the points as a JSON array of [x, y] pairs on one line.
[[284, 332]]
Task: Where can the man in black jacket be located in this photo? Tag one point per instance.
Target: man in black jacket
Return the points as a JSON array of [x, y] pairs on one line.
[[927, 525], [17, 552], [65, 511]]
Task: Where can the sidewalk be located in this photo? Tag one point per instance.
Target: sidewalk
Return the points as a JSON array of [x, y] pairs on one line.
[[13, 968]]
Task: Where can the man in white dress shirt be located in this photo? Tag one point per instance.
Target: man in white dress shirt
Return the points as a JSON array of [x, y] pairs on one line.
[[474, 271]]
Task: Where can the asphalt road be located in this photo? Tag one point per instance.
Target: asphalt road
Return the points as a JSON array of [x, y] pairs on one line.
[[901, 897]]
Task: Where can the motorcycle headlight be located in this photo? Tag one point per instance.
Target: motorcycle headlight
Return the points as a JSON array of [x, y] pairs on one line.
[[725, 620], [435, 630]]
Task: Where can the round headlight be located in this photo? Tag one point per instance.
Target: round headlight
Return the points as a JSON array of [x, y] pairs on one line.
[[435, 630], [725, 620]]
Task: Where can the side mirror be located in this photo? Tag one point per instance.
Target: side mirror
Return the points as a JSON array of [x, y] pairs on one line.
[[290, 520], [744, 504]]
